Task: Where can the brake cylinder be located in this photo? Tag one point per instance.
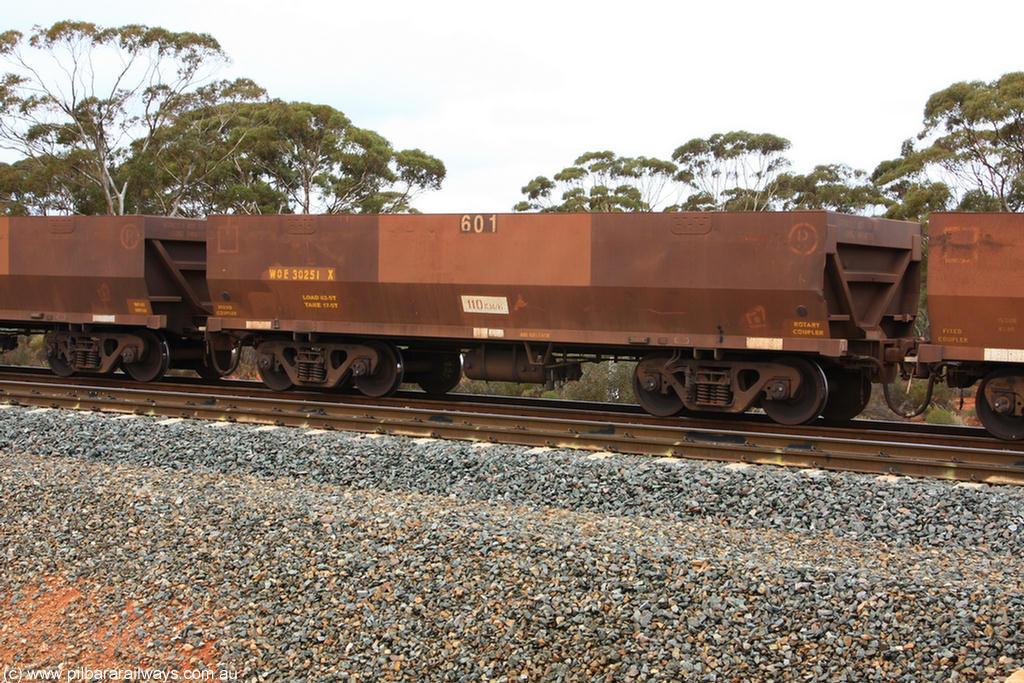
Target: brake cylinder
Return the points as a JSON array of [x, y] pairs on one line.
[[502, 365]]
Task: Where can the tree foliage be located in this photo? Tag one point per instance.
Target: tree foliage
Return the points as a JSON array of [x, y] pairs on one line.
[[116, 120], [830, 187], [193, 165], [735, 171], [309, 158], [976, 132], [240, 153], [78, 95], [969, 153], [602, 182]]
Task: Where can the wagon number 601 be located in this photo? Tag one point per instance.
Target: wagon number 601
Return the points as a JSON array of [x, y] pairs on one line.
[[478, 224]]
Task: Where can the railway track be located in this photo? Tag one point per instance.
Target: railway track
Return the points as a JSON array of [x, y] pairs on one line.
[[964, 454]]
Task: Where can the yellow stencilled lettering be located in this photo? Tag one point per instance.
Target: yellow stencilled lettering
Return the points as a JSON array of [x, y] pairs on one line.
[[1006, 324], [327, 302], [225, 310], [300, 274], [952, 335], [534, 334], [139, 307], [478, 224], [807, 328]]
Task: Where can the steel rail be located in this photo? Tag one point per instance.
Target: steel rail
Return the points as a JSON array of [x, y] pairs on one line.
[[951, 457], [612, 411]]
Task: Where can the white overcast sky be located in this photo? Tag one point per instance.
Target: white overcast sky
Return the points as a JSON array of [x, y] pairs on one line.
[[505, 91]]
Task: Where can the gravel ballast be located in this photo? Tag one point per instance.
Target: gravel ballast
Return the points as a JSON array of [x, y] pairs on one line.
[[332, 556]]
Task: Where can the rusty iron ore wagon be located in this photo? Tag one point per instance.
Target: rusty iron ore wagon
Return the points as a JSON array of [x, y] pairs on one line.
[[976, 312], [109, 292], [794, 312]]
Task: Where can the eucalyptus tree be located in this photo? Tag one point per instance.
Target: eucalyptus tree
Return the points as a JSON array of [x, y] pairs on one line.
[[195, 163], [77, 95], [905, 182], [314, 156], [231, 150], [735, 171], [969, 153], [832, 187], [29, 188], [605, 182]]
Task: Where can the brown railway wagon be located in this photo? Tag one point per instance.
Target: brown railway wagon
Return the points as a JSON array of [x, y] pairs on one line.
[[108, 291], [976, 311], [724, 310]]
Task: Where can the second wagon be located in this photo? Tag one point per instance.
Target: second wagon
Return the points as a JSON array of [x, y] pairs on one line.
[[723, 311]]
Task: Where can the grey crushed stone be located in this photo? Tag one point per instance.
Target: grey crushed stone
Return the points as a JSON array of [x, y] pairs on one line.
[[355, 558]]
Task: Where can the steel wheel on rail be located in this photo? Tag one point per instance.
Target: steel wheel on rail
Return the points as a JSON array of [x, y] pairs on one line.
[[206, 372], [217, 363], [996, 401], [810, 398], [848, 394], [58, 365], [156, 358], [273, 376], [652, 392], [444, 375], [387, 376]]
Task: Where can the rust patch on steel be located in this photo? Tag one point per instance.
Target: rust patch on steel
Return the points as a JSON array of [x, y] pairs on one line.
[[706, 280], [975, 283], [804, 239], [89, 269], [508, 249], [227, 238], [131, 236], [5, 256], [302, 249]]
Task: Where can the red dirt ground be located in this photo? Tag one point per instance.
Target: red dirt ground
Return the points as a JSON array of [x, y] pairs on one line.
[[60, 625]]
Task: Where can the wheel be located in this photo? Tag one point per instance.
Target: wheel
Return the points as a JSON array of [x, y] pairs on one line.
[[388, 375], [224, 363], [648, 385], [810, 399], [848, 394], [1003, 426], [156, 358], [444, 375], [273, 377], [207, 373], [58, 365]]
